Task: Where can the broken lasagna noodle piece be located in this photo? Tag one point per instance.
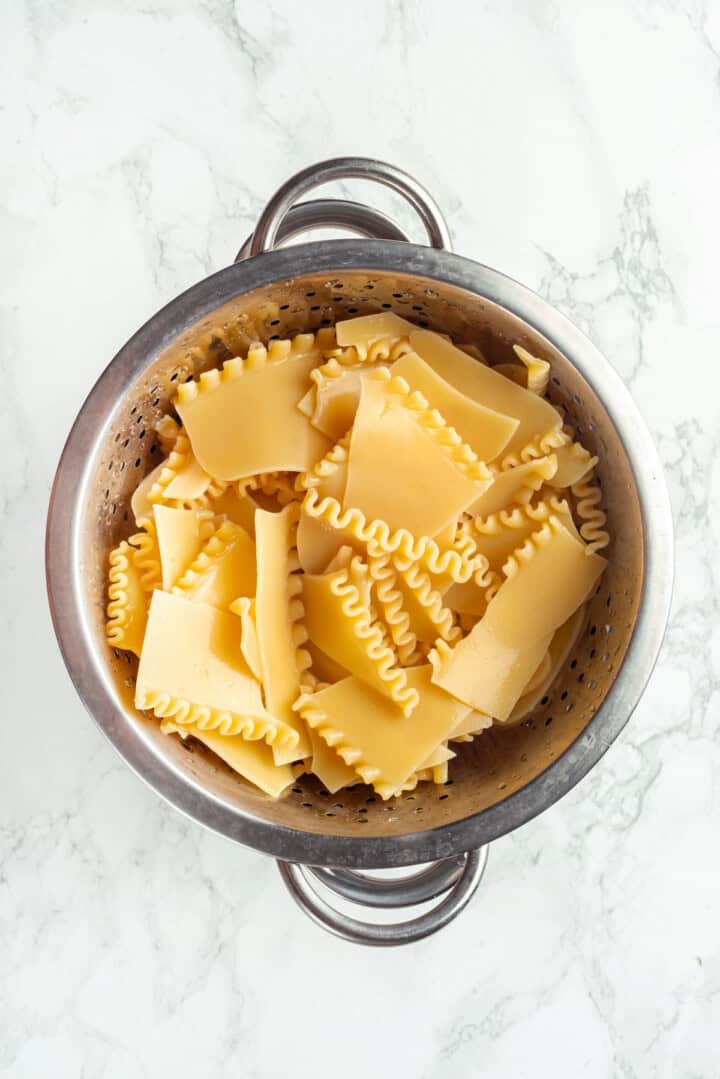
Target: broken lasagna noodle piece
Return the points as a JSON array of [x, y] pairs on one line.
[[363, 545]]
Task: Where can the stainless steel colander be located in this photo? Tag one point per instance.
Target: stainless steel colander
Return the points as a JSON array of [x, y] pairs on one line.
[[500, 780]]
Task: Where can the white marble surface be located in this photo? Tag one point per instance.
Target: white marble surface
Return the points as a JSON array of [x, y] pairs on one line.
[[574, 146]]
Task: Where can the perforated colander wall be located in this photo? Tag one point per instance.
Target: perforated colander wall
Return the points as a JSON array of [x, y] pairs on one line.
[[498, 763]]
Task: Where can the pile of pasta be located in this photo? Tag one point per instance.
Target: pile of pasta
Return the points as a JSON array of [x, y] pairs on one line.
[[363, 546]]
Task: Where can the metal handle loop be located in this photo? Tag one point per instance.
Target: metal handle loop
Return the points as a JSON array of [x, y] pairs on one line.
[[267, 231], [331, 214], [391, 892], [298, 882]]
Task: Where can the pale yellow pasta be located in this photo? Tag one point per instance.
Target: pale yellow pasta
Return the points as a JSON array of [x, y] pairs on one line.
[[339, 620], [499, 534], [180, 537], [405, 465], [364, 548], [486, 431], [236, 505], [335, 396], [537, 419], [220, 693], [127, 601], [329, 767], [362, 333], [223, 569], [514, 486], [280, 632], [563, 640], [252, 760], [370, 733], [226, 412], [546, 580], [181, 478]]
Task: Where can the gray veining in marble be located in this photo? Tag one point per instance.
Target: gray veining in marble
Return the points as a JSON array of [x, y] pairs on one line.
[[575, 147]]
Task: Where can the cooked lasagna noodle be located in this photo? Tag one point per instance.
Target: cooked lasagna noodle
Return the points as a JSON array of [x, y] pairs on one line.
[[363, 547]]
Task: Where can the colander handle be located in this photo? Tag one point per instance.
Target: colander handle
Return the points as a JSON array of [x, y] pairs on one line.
[[282, 218], [458, 877]]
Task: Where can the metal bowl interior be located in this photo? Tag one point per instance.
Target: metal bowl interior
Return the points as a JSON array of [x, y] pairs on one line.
[[503, 777]]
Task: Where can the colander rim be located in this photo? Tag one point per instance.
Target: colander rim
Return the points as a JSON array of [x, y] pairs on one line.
[[71, 623]]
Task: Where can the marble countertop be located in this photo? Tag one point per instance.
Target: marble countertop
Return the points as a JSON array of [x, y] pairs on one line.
[[573, 146]]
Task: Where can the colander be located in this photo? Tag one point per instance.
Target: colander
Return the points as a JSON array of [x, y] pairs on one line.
[[501, 779]]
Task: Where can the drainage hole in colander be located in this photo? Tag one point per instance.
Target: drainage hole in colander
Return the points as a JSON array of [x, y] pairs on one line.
[[387, 306], [309, 295], [338, 805], [545, 700], [306, 805], [448, 783], [137, 462], [581, 677], [563, 695], [297, 790], [408, 798], [548, 721], [593, 653], [329, 814], [122, 466], [371, 798], [352, 310], [442, 797], [573, 665]]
